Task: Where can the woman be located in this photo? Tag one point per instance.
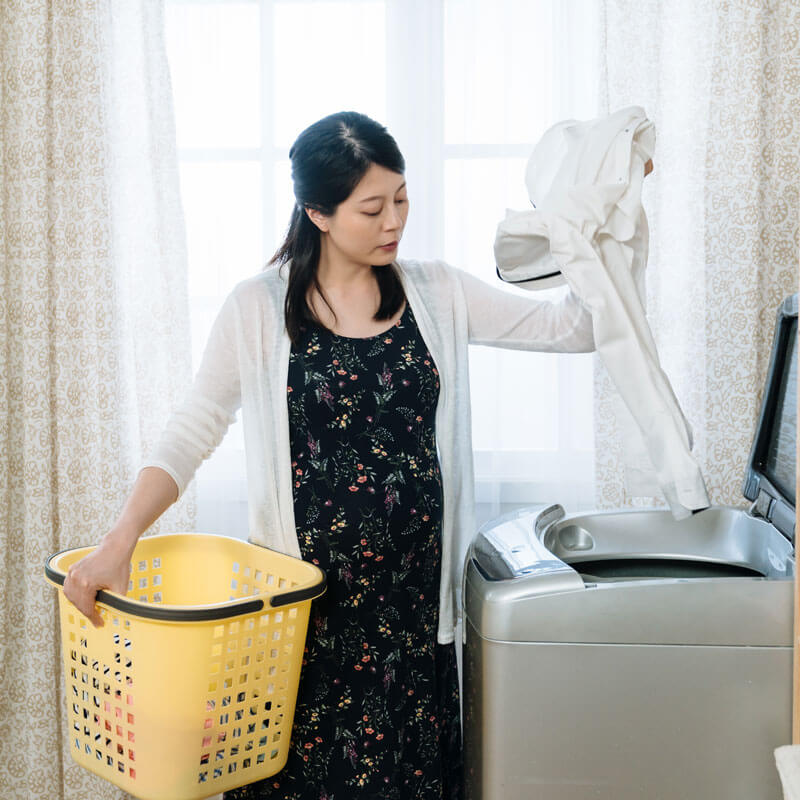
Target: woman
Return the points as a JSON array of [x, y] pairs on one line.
[[351, 372]]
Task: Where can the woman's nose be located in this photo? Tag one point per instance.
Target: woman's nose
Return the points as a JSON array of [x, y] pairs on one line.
[[394, 219]]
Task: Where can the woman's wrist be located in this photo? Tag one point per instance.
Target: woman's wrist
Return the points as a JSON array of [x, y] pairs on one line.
[[121, 537]]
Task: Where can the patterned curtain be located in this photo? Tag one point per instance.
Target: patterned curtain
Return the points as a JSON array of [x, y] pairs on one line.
[[94, 334], [721, 81]]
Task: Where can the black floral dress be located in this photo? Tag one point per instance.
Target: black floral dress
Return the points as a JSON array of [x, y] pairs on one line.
[[377, 711]]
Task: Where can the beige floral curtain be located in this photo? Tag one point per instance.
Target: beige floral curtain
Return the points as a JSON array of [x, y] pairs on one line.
[[721, 81], [94, 334]]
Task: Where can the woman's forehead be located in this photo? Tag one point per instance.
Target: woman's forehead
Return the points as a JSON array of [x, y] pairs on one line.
[[377, 182]]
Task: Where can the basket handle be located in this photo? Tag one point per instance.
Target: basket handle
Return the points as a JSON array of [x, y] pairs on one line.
[[298, 595], [198, 614]]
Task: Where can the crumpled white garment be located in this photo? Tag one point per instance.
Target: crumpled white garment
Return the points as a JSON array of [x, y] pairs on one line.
[[588, 229], [787, 759]]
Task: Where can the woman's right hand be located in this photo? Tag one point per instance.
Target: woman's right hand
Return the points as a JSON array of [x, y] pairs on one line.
[[106, 567]]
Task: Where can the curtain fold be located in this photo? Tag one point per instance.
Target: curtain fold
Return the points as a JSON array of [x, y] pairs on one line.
[[722, 84], [94, 341]]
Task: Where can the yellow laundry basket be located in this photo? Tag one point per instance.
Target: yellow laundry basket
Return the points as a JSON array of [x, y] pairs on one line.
[[189, 688]]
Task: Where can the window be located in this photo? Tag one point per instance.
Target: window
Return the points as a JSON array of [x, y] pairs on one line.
[[466, 87]]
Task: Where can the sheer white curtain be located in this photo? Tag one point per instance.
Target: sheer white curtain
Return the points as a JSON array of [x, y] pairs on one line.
[[466, 87], [721, 83], [94, 341]]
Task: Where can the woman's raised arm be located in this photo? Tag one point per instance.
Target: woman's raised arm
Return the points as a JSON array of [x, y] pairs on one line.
[[501, 319]]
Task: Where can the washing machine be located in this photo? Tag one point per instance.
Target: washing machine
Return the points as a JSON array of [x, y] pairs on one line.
[[625, 655]]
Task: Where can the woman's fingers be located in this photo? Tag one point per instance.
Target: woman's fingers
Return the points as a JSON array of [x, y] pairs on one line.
[[81, 592], [107, 567], [648, 167]]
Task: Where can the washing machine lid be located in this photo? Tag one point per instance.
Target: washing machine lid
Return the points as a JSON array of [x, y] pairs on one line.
[[771, 468]]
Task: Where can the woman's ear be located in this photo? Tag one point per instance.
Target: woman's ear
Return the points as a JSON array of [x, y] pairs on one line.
[[319, 219]]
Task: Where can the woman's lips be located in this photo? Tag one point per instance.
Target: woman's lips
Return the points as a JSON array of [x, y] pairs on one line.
[[388, 247]]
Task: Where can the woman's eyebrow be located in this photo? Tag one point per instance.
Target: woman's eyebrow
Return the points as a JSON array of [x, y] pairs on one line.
[[378, 196]]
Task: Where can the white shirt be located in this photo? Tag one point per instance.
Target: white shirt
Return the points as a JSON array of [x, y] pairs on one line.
[[246, 363], [588, 227]]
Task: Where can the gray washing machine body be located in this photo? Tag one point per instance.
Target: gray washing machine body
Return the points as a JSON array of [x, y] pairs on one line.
[[624, 655]]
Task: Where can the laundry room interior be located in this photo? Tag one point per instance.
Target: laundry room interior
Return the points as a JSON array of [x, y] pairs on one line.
[[594, 246]]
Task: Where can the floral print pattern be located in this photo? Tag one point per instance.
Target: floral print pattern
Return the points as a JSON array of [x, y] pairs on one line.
[[377, 711]]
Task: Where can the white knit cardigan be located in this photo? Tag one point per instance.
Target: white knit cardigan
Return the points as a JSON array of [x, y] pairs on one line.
[[246, 364]]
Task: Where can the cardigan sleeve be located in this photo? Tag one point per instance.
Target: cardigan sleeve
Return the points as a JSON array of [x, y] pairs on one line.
[[501, 319], [198, 424]]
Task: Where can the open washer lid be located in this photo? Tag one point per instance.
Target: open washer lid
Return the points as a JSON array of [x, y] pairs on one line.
[[772, 466]]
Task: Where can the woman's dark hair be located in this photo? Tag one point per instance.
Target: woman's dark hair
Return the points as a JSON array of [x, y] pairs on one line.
[[328, 159]]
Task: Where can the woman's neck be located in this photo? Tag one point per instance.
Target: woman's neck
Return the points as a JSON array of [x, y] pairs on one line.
[[337, 273]]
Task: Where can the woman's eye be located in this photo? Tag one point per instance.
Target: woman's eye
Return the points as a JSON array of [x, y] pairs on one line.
[[375, 213]]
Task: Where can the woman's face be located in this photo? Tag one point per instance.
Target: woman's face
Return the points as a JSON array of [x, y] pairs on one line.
[[374, 215]]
